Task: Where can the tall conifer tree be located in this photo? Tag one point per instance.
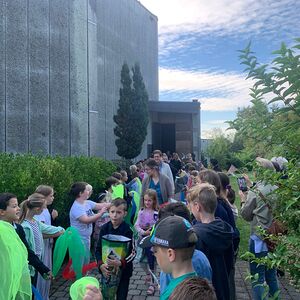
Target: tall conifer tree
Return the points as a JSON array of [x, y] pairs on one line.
[[132, 116]]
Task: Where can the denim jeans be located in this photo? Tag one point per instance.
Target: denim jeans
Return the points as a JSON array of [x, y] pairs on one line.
[[264, 275]]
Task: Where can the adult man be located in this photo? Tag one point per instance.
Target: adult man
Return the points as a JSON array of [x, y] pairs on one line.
[[164, 168]]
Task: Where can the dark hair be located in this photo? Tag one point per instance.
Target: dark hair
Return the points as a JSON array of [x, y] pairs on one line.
[[4, 199], [110, 181], [77, 188], [194, 288], [211, 177], [117, 175], [190, 167], [175, 209], [152, 164], [118, 202], [231, 195]]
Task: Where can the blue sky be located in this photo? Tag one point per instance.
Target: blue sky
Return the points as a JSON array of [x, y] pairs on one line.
[[198, 43]]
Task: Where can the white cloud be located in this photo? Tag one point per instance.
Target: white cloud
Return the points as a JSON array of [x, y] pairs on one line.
[[177, 18], [205, 84]]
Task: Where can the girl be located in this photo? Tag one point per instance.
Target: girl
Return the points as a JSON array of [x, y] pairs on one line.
[[45, 217], [35, 230], [81, 213], [147, 217], [228, 193]]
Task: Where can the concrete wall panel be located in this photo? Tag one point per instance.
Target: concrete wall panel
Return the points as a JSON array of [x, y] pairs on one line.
[[59, 78], [79, 78], [16, 76], [2, 75], [38, 49]]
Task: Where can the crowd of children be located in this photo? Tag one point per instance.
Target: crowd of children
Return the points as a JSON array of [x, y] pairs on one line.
[[194, 242]]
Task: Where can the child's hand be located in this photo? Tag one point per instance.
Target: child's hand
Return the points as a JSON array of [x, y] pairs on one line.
[[113, 262], [54, 214], [105, 270], [92, 293]]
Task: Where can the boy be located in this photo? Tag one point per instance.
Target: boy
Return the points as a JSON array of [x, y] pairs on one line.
[[173, 240], [117, 226], [214, 236], [194, 288], [9, 212], [200, 262]]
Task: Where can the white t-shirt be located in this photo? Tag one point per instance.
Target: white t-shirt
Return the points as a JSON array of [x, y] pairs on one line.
[[78, 210], [44, 217]]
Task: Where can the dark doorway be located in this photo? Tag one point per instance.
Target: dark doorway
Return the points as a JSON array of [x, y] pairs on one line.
[[163, 137]]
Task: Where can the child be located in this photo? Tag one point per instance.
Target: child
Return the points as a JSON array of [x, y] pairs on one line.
[[193, 179], [228, 193], [104, 198], [81, 213], [214, 236], [194, 288], [45, 217], [200, 262], [36, 231], [173, 240], [9, 212], [117, 226], [147, 217]]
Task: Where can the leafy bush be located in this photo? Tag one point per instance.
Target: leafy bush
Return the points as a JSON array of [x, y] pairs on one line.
[[21, 174], [275, 131]]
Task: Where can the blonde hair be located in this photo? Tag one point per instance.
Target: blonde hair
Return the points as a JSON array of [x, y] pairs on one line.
[[33, 201], [45, 190], [153, 196], [204, 194]]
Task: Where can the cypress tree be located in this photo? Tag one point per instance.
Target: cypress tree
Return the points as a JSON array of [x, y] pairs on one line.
[[132, 116]]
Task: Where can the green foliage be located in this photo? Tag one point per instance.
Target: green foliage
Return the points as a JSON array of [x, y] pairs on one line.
[[220, 149], [21, 174], [275, 131], [132, 116], [269, 130]]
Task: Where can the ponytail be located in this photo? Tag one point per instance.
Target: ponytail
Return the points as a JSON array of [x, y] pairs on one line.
[[33, 201], [23, 210]]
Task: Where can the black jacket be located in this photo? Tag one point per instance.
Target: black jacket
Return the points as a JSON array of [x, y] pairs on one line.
[[123, 230], [33, 259], [215, 241]]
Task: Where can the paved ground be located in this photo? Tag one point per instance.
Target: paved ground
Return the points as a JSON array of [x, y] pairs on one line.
[[138, 288]]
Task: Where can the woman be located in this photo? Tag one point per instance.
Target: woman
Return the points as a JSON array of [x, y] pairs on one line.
[[255, 208], [158, 182]]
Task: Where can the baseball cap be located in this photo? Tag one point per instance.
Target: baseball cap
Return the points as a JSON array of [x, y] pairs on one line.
[[171, 232]]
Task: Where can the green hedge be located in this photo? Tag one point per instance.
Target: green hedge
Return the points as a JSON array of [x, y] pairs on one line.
[[21, 174]]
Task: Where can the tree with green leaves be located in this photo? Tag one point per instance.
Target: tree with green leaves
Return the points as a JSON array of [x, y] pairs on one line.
[[132, 116], [275, 131], [265, 129]]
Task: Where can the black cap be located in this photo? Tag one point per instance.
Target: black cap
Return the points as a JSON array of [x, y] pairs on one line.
[[172, 232]]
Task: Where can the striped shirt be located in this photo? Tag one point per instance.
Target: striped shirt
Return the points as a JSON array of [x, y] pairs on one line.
[[38, 238]]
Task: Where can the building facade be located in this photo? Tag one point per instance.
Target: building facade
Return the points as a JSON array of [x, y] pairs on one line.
[[60, 64]]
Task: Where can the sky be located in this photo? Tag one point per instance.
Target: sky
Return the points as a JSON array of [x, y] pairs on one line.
[[198, 50]]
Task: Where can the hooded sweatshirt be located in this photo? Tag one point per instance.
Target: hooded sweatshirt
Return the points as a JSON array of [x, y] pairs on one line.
[[215, 241]]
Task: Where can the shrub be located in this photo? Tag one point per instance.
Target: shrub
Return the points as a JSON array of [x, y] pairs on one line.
[[21, 174]]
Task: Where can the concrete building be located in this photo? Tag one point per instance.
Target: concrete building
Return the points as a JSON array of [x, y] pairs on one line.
[[60, 63]]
